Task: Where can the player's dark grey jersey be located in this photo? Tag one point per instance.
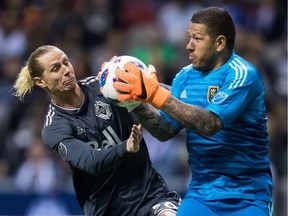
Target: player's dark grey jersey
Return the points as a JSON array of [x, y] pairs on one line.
[[91, 140]]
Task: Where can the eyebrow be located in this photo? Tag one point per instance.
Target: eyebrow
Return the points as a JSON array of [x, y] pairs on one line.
[[64, 57]]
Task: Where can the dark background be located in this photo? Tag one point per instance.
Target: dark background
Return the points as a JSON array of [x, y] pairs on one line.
[[91, 32]]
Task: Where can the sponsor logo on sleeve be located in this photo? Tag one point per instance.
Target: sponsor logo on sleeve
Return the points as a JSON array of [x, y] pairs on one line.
[[219, 97], [183, 94], [62, 150]]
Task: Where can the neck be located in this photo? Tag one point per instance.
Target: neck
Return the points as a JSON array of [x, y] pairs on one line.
[[222, 59], [69, 100]]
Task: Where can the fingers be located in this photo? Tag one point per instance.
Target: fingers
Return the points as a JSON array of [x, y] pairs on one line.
[[132, 68], [123, 87], [153, 76], [134, 139], [98, 75], [127, 90], [137, 133], [126, 76], [140, 127], [103, 65], [131, 83], [151, 69], [127, 97], [113, 58], [134, 86]]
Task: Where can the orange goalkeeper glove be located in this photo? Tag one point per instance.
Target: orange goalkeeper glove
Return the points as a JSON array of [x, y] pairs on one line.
[[140, 86]]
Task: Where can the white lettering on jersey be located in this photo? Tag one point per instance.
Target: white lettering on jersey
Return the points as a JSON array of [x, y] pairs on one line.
[[112, 138], [164, 206]]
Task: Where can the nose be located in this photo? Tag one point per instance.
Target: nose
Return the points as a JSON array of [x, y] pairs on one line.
[[190, 45], [66, 71]]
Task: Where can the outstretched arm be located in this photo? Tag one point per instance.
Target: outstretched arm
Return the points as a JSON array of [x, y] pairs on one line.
[[90, 156], [140, 86]]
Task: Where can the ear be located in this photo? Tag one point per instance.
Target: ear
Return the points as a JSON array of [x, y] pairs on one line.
[[39, 82], [220, 43]]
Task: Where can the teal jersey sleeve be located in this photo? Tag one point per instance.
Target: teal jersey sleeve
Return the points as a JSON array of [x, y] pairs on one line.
[[241, 90]]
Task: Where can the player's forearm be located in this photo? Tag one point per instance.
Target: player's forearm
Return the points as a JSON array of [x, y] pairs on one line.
[[197, 119], [153, 122], [85, 157]]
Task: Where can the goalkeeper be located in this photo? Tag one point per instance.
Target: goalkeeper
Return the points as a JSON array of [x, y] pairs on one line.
[[219, 100]]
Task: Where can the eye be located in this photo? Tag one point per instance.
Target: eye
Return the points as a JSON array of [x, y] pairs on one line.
[[55, 67], [66, 62]]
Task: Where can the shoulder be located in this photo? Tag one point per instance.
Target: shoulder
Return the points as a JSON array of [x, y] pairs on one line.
[[91, 80], [239, 66], [55, 127], [181, 78], [53, 116], [90, 83], [241, 72], [185, 70]]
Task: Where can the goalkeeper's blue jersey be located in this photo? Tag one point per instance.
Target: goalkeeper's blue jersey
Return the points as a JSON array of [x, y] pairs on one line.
[[234, 162]]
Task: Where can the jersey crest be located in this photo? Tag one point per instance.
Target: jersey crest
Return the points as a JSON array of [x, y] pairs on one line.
[[62, 150], [211, 92], [102, 110]]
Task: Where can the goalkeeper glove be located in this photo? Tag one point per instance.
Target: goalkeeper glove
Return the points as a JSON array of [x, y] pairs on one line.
[[140, 86]]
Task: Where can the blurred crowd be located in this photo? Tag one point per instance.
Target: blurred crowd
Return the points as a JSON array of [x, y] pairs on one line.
[[155, 31]]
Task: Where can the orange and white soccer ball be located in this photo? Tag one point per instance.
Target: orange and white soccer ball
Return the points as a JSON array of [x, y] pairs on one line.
[[107, 74]]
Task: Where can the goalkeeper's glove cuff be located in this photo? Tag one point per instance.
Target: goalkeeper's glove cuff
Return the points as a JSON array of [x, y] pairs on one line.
[[160, 96], [129, 105]]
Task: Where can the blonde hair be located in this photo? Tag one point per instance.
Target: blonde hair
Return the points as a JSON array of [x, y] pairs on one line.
[[23, 84], [25, 80]]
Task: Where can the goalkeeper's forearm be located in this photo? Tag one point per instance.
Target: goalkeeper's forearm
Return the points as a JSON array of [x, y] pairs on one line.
[[196, 118], [153, 122]]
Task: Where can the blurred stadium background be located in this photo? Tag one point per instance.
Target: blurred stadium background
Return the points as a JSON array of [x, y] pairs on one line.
[[35, 182]]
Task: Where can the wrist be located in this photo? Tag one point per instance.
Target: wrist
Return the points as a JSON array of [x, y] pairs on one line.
[[139, 107], [161, 95], [129, 105]]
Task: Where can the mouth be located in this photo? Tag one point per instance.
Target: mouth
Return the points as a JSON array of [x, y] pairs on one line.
[[69, 81], [192, 57]]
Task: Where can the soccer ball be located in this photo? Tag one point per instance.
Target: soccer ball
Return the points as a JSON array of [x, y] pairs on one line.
[[107, 74]]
